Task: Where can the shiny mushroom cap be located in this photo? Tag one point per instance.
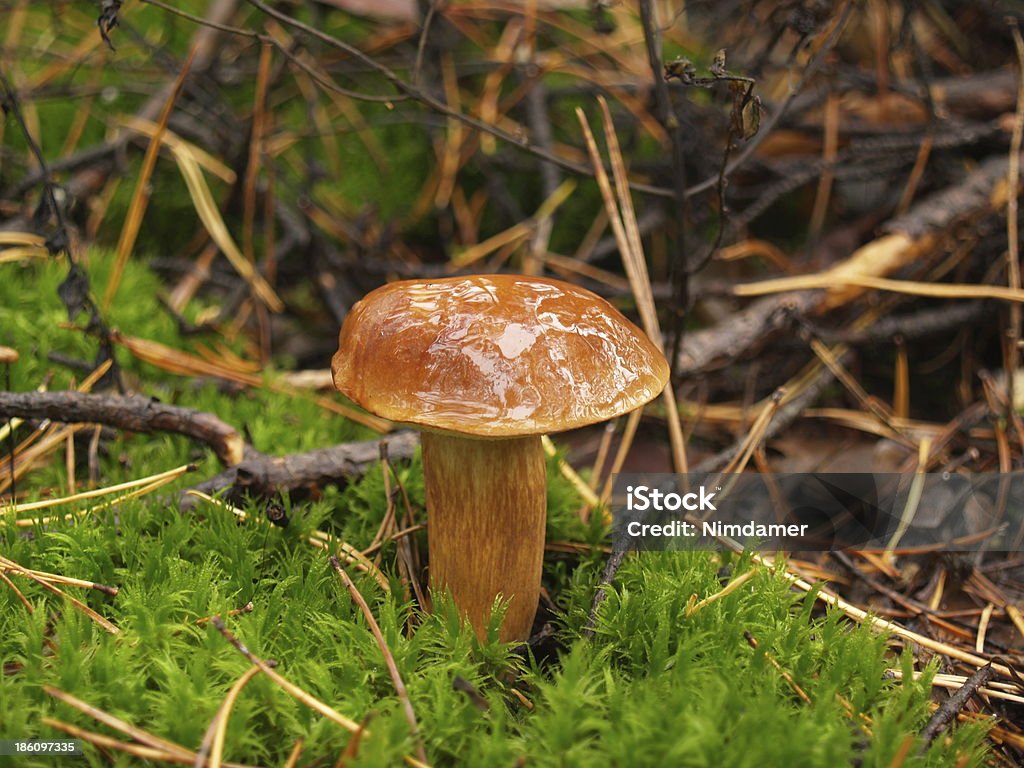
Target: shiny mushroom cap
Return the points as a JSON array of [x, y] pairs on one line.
[[494, 356]]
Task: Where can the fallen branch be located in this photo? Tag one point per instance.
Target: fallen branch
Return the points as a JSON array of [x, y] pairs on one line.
[[262, 475], [249, 470], [951, 707], [131, 412]]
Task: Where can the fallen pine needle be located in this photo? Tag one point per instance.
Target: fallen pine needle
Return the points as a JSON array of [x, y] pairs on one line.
[[995, 689], [289, 687], [141, 736], [211, 751], [171, 474], [14, 567], [389, 659]]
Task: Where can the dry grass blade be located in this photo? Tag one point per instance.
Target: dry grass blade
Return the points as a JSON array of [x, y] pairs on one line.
[[296, 753], [627, 235], [913, 499], [1013, 278], [829, 281], [22, 238], [752, 641], [21, 246], [211, 751], [517, 232], [22, 253], [42, 443], [450, 150], [389, 659], [256, 150], [209, 214], [289, 687], [1016, 617], [175, 143], [352, 556], [44, 431], [140, 200]]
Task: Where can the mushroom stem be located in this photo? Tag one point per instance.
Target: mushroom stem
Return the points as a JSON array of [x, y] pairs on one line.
[[487, 503]]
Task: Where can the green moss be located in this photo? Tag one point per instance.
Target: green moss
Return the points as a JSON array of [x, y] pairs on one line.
[[654, 686]]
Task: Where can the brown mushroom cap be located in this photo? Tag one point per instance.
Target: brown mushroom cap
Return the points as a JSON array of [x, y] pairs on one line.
[[494, 356]]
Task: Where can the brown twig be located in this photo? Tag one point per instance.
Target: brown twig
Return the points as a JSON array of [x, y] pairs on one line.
[[131, 412], [951, 707]]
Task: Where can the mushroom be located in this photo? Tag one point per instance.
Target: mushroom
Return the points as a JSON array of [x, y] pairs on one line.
[[485, 365]]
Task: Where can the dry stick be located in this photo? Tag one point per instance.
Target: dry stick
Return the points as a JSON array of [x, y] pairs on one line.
[[265, 475], [132, 412], [8, 356], [828, 156], [389, 659], [293, 690], [1013, 244], [213, 740], [945, 714], [140, 200], [255, 152]]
